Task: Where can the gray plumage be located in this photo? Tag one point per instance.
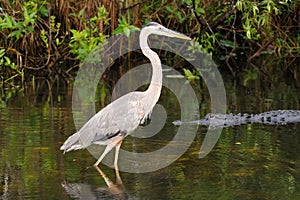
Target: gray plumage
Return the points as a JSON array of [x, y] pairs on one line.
[[109, 121], [121, 117]]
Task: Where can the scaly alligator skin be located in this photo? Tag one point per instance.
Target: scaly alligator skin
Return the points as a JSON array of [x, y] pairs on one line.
[[275, 117]]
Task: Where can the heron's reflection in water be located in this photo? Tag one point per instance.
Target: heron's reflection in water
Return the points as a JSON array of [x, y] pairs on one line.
[[85, 190]]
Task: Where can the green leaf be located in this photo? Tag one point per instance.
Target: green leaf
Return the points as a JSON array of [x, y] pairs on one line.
[[187, 72], [7, 60], [133, 28], [169, 9], [44, 11], [57, 42], [29, 28], [227, 43], [123, 22], [32, 17], [126, 31], [16, 33], [2, 52], [189, 75], [118, 30], [200, 10], [9, 21]]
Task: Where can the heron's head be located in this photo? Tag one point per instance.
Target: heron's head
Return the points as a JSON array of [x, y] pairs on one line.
[[156, 28]]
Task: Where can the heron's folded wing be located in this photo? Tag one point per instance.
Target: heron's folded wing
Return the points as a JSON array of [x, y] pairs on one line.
[[122, 115]]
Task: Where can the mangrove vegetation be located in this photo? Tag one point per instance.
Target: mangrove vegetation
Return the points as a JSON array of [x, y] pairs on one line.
[[49, 39]]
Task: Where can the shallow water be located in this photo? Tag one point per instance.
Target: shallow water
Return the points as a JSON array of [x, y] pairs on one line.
[[252, 161]]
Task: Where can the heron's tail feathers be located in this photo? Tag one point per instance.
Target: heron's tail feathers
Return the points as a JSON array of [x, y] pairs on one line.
[[72, 143]]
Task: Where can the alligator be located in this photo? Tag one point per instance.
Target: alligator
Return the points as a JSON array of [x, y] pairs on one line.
[[275, 117]]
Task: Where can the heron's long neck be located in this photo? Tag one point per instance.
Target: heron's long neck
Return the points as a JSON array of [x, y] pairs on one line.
[[156, 80]]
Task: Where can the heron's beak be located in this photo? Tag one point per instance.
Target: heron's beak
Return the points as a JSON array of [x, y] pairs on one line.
[[175, 34]]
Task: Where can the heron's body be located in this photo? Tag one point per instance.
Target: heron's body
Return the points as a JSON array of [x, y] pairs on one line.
[[121, 117], [111, 121]]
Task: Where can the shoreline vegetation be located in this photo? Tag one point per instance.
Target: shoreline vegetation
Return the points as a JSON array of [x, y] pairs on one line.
[[49, 39]]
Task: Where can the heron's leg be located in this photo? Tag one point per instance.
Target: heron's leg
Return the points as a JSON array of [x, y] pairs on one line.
[[115, 143], [118, 177], [107, 149], [117, 157]]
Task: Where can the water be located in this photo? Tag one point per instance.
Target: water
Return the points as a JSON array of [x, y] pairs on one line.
[[252, 161]]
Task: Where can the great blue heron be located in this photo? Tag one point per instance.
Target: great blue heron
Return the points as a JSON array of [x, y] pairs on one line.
[[122, 116]]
